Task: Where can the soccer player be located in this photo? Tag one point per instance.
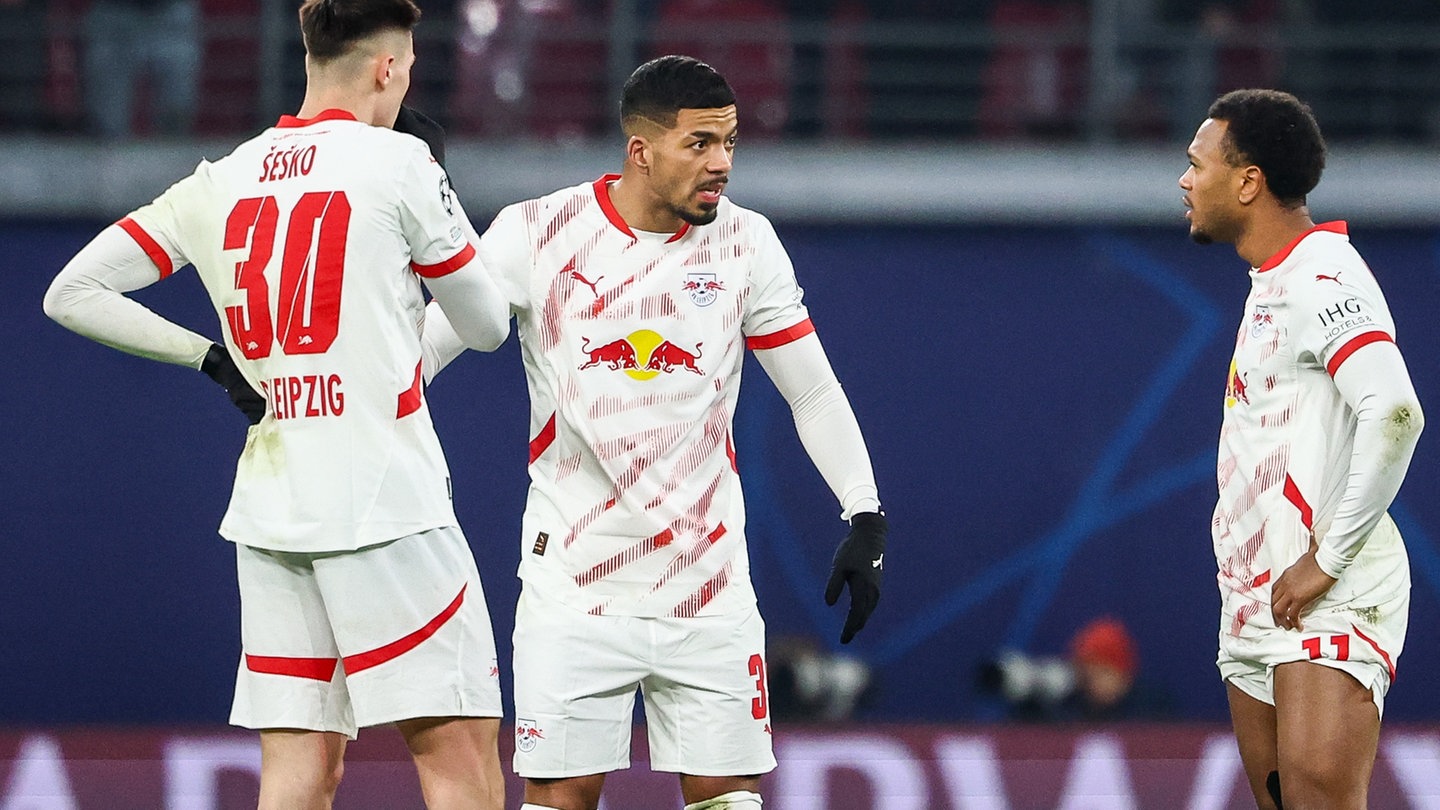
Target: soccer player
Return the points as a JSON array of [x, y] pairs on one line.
[[636, 297], [1320, 422], [360, 600]]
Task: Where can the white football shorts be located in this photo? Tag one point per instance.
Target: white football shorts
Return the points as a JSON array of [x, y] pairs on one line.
[[345, 640], [703, 681], [1358, 627]]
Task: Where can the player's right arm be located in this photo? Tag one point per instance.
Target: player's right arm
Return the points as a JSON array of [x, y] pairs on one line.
[[89, 297]]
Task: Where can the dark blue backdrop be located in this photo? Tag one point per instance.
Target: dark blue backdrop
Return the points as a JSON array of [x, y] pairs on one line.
[[1042, 407]]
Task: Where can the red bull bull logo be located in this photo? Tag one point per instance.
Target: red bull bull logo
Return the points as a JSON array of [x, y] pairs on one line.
[[642, 354], [1235, 387], [527, 735]]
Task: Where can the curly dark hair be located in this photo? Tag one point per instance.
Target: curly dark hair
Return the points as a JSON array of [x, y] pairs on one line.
[[1276, 131], [659, 89], [330, 27]]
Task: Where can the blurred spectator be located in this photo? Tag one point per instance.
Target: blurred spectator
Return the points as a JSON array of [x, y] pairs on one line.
[[1036, 79], [1098, 682], [747, 40], [1221, 54], [531, 67], [127, 40], [808, 684], [23, 37]]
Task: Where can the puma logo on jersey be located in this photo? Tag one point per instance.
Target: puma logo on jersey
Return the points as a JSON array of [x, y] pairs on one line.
[[575, 274], [878, 562], [306, 339], [1335, 278]]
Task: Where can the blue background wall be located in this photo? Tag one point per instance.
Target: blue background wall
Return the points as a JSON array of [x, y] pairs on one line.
[[1042, 407]]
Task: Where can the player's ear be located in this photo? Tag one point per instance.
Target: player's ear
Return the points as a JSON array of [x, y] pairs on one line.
[[384, 69], [637, 151], [1251, 183]]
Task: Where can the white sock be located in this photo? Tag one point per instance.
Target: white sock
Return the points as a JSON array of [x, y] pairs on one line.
[[734, 800]]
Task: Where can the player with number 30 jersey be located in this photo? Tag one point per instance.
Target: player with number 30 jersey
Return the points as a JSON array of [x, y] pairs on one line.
[[360, 600]]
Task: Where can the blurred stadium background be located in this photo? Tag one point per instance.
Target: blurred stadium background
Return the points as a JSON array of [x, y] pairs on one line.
[[980, 200]]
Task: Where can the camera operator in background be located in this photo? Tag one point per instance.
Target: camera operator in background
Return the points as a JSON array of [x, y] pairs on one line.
[[1097, 682]]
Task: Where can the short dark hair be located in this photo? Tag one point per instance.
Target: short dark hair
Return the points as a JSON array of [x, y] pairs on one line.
[[1277, 132], [330, 27], [659, 89]]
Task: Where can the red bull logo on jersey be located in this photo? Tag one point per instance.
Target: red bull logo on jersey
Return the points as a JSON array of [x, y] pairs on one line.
[[702, 288], [1261, 320], [642, 354], [617, 354], [1235, 387], [527, 735]]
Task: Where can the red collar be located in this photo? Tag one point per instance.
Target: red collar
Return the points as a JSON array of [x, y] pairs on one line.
[[290, 121], [602, 196], [1338, 226]]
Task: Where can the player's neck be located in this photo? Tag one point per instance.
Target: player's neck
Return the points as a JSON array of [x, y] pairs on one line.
[[320, 99], [1272, 232], [641, 209]]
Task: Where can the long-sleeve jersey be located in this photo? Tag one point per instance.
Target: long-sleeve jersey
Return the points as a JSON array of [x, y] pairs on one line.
[[633, 345], [311, 239], [1320, 423]]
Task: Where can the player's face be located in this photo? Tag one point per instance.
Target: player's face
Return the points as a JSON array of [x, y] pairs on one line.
[[1211, 187], [690, 164]]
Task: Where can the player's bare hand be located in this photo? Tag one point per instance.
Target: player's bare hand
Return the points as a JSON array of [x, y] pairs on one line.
[[1300, 585], [860, 563]]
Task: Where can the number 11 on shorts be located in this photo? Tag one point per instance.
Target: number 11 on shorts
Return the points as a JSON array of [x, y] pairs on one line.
[[1340, 643]]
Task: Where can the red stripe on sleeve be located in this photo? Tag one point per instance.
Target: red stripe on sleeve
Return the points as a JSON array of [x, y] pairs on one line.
[[447, 267], [410, 400], [1353, 345], [363, 661], [1389, 664], [152, 248], [780, 338], [315, 669], [542, 440], [1292, 494]]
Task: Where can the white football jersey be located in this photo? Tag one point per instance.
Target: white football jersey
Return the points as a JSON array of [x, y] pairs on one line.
[[1287, 435], [311, 239], [632, 344]]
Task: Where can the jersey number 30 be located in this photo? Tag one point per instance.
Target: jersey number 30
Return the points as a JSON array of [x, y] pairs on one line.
[[311, 270]]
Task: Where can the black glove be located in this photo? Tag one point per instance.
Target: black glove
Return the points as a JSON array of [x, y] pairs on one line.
[[859, 561], [412, 122], [220, 368]]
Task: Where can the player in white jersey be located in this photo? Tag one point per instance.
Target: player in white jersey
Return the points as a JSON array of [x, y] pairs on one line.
[[636, 297], [360, 599], [1319, 426]]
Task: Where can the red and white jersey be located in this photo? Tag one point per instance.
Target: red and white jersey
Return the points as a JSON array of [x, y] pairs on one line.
[[310, 240], [1287, 437], [632, 344]]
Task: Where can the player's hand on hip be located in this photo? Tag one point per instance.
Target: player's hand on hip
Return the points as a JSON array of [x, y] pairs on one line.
[[1300, 585], [220, 368], [413, 122], [860, 563]]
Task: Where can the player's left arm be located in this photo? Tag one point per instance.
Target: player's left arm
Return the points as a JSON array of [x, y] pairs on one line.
[[1376, 385], [1347, 329], [831, 437], [783, 338]]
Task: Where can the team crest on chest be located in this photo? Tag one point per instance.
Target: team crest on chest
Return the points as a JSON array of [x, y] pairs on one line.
[[1261, 321], [702, 288]]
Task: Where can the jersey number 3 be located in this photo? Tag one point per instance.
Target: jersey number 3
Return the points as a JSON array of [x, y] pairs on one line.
[[312, 267]]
